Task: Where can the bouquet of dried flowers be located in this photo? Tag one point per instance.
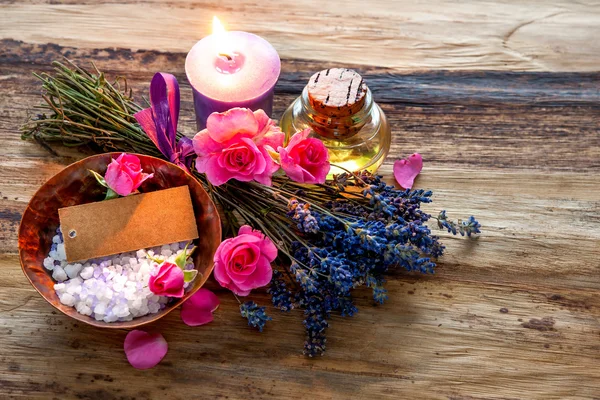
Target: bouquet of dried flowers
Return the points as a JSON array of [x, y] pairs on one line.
[[310, 239]]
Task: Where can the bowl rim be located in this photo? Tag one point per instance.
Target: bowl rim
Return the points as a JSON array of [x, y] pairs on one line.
[[85, 318]]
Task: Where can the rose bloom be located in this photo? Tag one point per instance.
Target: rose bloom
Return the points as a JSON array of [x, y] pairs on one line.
[[236, 144], [124, 174], [168, 281], [304, 159], [243, 263]]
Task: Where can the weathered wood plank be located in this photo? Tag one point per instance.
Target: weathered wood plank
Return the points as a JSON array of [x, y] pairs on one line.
[[494, 35], [514, 314], [491, 119], [434, 339]]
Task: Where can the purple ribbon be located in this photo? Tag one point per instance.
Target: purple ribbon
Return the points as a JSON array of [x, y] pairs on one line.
[[160, 120]]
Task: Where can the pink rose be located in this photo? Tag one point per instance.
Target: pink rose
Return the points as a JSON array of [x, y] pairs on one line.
[[305, 160], [236, 144], [124, 174], [168, 281], [243, 263]]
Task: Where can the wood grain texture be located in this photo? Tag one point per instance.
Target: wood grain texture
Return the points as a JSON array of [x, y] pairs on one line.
[[514, 314], [557, 35]]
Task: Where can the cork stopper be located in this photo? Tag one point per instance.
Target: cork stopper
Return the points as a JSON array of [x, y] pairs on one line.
[[336, 94]]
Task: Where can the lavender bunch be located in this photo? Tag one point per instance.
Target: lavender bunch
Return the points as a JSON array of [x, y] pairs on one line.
[[336, 237]]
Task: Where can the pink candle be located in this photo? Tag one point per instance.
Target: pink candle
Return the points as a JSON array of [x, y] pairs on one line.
[[231, 69]]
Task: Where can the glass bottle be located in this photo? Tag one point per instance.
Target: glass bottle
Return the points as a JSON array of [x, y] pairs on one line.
[[356, 133]]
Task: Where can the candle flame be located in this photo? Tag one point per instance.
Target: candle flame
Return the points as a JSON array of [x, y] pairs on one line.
[[217, 27], [224, 46]]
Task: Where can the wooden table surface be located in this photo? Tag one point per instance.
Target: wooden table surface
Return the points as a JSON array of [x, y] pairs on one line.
[[502, 99]]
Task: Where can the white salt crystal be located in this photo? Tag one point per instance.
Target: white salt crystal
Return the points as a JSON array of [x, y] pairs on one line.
[[137, 303], [119, 269], [99, 317], [72, 270], [60, 252], [118, 287], [120, 279], [67, 299], [100, 308], [87, 272], [141, 253], [123, 311], [174, 247], [59, 287], [166, 253], [59, 274], [144, 309], [56, 239], [49, 263], [111, 318]]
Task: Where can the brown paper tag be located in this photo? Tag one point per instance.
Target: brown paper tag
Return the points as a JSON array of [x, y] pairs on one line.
[[128, 223]]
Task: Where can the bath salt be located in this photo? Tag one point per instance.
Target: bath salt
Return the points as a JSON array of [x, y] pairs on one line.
[[114, 288]]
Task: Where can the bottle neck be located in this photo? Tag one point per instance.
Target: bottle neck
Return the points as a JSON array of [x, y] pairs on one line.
[[340, 126]]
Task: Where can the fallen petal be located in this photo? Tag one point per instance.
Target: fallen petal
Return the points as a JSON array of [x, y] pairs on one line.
[[405, 171], [144, 350], [198, 309]]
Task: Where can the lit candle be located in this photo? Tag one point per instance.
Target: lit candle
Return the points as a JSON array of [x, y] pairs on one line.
[[231, 69]]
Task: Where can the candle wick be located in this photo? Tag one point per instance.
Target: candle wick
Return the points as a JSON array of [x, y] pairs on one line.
[[227, 56]]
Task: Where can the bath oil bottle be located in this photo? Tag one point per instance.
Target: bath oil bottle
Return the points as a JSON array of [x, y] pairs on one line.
[[338, 108]]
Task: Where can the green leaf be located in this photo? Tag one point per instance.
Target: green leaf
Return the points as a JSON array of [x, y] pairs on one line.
[[111, 194], [182, 257], [189, 275], [99, 178]]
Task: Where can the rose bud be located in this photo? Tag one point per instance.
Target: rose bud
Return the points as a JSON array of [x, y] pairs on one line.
[[168, 281]]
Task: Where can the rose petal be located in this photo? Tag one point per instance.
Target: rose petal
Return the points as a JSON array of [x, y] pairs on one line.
[[224, 126], [118, 180], [144, 350], [267, 247], [204, 145], [264, 122], [405, 171], [140, 179], [246, 230], [262, 276], [293, 170], [198, 309]]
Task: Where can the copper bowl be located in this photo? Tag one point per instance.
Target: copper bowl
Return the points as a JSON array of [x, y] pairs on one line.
[[75, 185]]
